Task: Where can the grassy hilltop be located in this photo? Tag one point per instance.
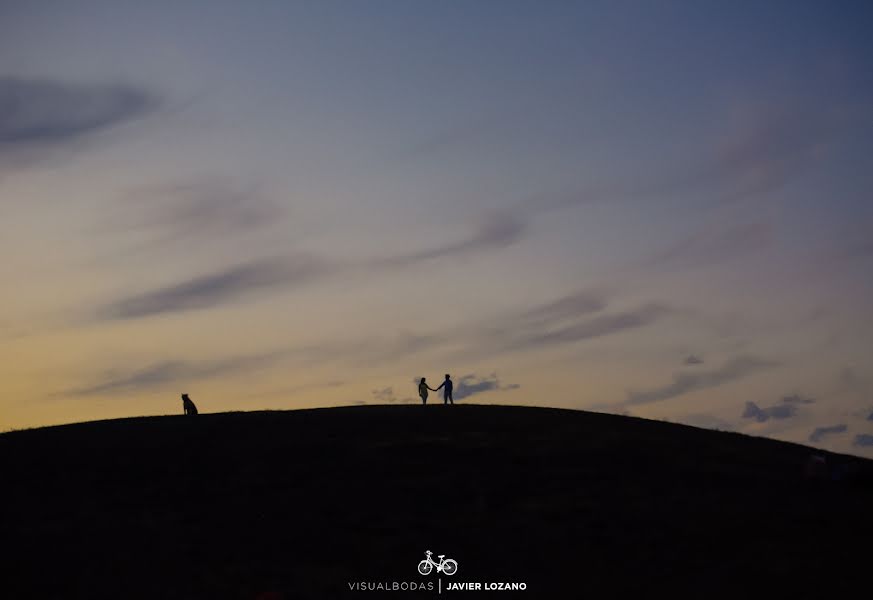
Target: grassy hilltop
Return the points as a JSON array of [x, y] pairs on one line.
[[298, 504]]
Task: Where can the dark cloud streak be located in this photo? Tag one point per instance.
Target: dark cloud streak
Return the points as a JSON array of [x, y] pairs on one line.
[[715, 244], [498, 231], [797, 399], [761, 415], [220, 287], [734, 369], [572, 306], [384, 396], [470, 385], [229, 284], [787, 409], [206, 208], [42, 112], [820, 432], [163, 373], [593, 328]]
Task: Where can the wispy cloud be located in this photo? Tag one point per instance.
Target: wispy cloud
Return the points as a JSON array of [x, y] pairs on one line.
[[734, 369], [820, 432], [588, 329], [218, 288], [786, 409], [767, 142], [555, 323], [572, 306], [384, 396], [857, 250], [849, 380], [481, 127], [863, 439], [178, 372], [714, 244], [495, 231], [230, 211], [206, 208], [388, 396], [12, 331], [470, 385], [513, 331], [777, 411], [797, 399], [44, 112], [773, 141], [566, 320]]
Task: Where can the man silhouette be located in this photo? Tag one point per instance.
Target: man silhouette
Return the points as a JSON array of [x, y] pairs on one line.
[[447, 392]]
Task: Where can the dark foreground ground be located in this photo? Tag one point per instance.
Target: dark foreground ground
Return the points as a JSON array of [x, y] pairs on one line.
[[283, 505]]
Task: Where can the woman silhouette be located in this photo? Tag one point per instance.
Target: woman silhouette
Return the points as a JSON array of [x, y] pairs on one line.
[[422, 390]]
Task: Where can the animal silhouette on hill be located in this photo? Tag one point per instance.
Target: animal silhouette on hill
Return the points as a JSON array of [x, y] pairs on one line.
[[188, 405]]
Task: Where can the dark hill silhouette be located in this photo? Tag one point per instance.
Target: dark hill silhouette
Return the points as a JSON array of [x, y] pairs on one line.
[[297, 504]]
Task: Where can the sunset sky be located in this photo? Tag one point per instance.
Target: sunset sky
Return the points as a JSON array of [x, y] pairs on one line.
[[663, 209]]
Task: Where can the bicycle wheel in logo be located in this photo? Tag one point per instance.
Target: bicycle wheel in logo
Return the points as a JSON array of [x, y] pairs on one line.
[[450, 566]]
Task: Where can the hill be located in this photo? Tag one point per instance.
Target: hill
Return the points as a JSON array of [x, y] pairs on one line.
[[314, 503]]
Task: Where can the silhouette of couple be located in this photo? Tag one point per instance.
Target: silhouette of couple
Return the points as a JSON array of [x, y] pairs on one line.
[[447, 390]]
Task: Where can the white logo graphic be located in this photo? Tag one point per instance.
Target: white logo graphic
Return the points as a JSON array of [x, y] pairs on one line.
[[447, 566]]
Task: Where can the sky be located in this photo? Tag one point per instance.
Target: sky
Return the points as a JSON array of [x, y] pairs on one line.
[[655, 209]]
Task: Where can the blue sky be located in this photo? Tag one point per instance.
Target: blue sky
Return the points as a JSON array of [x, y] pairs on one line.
[[661, 209]]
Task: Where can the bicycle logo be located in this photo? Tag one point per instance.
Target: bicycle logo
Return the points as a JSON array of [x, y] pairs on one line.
[[446, 565]]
